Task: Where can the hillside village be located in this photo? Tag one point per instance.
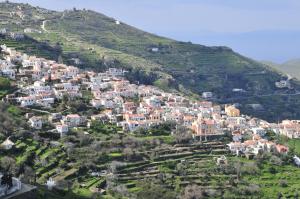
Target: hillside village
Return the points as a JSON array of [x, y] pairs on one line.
[[45, 84]]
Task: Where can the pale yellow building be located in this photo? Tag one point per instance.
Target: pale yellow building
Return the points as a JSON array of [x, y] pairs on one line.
[[232, 111]]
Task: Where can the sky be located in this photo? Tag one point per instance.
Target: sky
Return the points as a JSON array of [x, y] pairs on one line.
[[260, 29]]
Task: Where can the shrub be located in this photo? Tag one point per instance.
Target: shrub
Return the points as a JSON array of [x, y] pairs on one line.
[[283, 183]]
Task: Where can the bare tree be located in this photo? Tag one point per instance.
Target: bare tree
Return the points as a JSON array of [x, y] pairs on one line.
[[183, 134], [192, 192], [129, 153], [8, 164]]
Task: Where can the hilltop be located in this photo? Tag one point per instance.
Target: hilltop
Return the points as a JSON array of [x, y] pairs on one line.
[[97, 41], [291, 67]]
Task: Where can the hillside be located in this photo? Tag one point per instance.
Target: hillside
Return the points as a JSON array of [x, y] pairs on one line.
[[291, 67], [99, 42], [101, 159]]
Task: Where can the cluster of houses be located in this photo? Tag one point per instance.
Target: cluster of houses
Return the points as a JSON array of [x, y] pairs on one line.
[[14, 35], [254, 146], [42, 83], [283, 84]]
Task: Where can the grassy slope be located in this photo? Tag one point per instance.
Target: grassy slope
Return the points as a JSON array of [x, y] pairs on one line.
[[291, 67], [206, 67]]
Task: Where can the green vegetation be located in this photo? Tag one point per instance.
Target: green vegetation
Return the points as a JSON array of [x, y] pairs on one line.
[[145, 164], [99, 127], [276, 108], [5, 86], [11, 118]]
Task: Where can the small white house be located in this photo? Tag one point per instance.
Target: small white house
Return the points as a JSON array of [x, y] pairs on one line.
[[259, 131], [236, 147], [10, 73], [62, 129], [297, 160], [27, 101], [7, 144], [72, 120], [36, 122], [3, 31], [46, 102], [154, 49], [96, 103], [207, 95]]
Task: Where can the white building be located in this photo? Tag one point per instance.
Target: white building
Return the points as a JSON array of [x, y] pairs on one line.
[[62, 129], [27, 101], [36, 122], [207, 95], [7, 144], [236, 147], [10, 73], [72, 120], [259, 131]]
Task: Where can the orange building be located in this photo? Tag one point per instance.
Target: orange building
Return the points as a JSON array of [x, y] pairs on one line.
[[232, 111], [205, 127]]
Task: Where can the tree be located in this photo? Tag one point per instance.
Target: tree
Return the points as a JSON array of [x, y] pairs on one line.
[[250, 168], [181, 169], [129, 153], [279, 195], [192, 192], [152, 189], [237, 167], [28, 175], [8, 164], [272, 170], [283, 183], [177, 184], [60, 60], [119, 191], [183, 134], [4, 83], [275, 160], [7, 122]]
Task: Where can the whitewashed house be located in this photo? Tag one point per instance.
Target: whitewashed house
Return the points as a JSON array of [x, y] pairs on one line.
[[207, 95], [259, 131], [10, 73], [27, 101], [62, 129], [236, 147], [36, 122], [73, 120], [7, 144]]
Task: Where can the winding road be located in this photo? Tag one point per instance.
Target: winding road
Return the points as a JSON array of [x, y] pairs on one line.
[[43, 26]]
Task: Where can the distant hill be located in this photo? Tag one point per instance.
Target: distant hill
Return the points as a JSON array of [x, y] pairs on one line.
[[291, 67], [100, 42]]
